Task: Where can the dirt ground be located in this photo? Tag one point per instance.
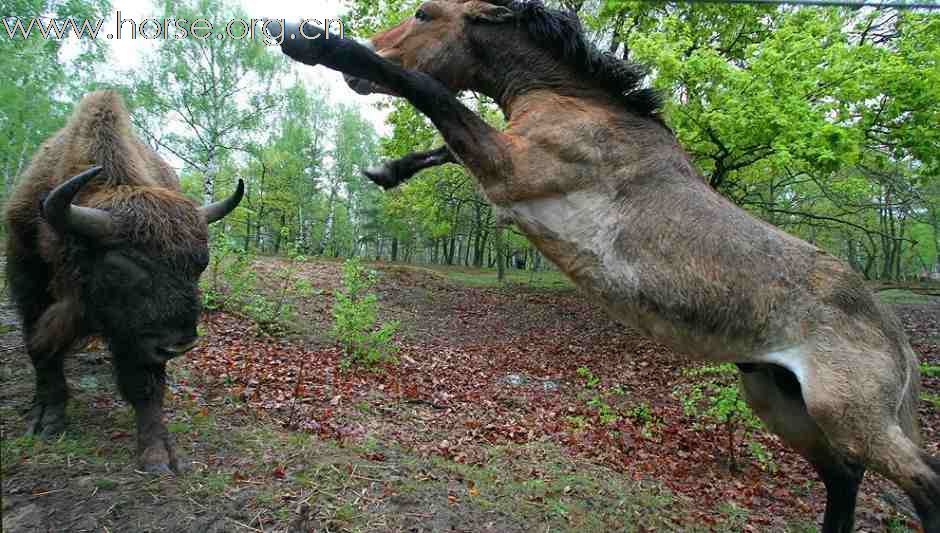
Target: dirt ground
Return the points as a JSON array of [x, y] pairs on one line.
[[510, 409]]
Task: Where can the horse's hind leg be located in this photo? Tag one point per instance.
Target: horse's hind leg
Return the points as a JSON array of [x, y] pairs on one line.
[[866, 411], [774, 395], [900, 460], [842, 481], [926, 497], [894, 455]]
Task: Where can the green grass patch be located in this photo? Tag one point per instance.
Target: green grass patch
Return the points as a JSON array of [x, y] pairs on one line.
[[567, 496], [902, 296], [735, 517], [487, 277], [207, 484], [932, 399], [801, 526], [179, 427], [897, 524], [70, 449], [929, 370], [106, 484]]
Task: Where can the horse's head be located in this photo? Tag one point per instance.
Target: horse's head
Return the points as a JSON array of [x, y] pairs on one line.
[[440, 39]]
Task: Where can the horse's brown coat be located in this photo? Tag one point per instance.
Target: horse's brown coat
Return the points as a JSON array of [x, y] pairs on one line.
[[600, 185]]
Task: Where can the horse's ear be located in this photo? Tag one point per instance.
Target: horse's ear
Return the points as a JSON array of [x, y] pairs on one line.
[[493, 14]]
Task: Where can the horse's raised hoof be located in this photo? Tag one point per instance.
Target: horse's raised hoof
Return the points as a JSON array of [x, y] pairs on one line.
[[382, 176], [307, 45]]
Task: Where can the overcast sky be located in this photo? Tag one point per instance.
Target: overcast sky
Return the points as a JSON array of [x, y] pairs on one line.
[[126, 53]]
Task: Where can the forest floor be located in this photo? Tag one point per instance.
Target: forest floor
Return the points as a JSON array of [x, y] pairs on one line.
[[511, 408]]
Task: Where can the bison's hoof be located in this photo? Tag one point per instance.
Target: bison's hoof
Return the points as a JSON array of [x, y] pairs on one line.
[[46, 420], [160, 459], [161, 469]]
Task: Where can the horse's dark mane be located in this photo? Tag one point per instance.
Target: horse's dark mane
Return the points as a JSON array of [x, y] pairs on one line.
[[561, 33]]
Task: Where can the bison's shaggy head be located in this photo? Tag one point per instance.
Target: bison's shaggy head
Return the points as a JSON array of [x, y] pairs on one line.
[[138, 252]]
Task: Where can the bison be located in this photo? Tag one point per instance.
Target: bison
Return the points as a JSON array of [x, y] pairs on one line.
[[103, 242]]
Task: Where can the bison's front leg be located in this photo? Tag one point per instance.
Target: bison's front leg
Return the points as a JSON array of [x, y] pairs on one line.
[[143, 387], [47, 414], [48, 340]]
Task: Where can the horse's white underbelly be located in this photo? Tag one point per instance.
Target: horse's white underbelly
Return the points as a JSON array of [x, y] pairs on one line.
[[589, 225], [586, 228]]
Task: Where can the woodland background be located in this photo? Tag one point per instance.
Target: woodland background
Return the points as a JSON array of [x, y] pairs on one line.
[[822, 121], [397, 361]]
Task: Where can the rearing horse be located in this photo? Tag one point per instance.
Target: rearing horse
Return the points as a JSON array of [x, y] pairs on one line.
[[599, 184]]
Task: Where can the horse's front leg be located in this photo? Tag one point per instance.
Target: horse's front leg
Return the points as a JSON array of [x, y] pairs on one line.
[[481, 148], [393, 173]]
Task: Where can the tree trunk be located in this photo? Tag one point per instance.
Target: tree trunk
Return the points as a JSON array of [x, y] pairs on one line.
[[852, 251], [451, 247], [500, 256], [935, 222], [280, 234], [247, 232], [208, 183], [328, 223], [479, 248], [466, 253]]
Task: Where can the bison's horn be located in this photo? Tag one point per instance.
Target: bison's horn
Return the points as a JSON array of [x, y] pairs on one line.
[[215, 211], [65, 217]]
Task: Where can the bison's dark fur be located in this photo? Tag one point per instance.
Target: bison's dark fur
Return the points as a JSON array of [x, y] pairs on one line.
[[135, 285]]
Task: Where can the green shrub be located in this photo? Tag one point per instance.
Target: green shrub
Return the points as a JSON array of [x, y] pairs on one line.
[[932, 399], [590, 380], [929, 370], [606, 403], [275, 307], [717, 398], [642, 413], [231, 283], [355, 319], [229, 277]]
